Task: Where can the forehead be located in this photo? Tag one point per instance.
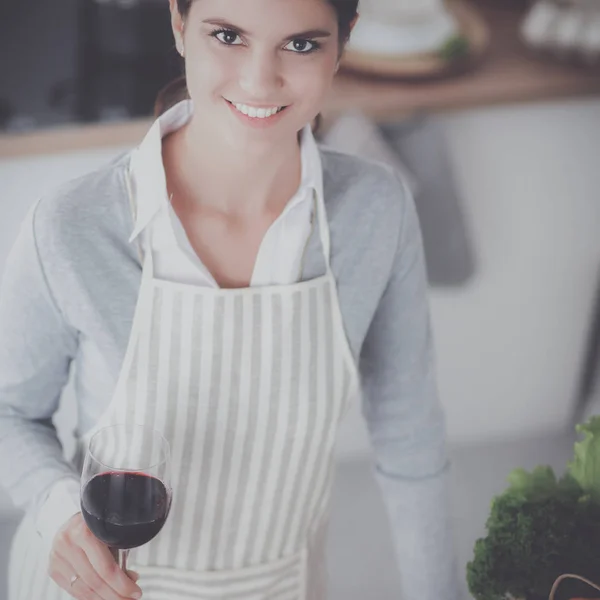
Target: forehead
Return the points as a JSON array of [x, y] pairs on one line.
[[276, 17]]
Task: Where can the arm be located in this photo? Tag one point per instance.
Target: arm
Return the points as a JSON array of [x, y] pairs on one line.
[[36, 349], [406, 423]]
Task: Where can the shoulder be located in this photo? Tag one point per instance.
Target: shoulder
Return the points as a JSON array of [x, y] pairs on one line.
[[364, 196], [358, 183], [83, 211]]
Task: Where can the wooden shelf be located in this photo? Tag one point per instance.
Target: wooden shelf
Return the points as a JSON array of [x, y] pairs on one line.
[[509, 73]]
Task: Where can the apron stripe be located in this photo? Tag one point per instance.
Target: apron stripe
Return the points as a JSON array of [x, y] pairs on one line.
[[321, 478], [320, 447], [161, 318], [297, 424], [147, 335], [141, 446], [322, 504], [162, 408], [247, 362], [266, 423], [315, 403], [179, 391], [169, 377], [192, 491], [230, 376], [275, 441], [237, 432], [210, 471], [306, 369], [252, 458], [281, 468]]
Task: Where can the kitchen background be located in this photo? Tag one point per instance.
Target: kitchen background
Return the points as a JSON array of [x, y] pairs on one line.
[[503, 160]]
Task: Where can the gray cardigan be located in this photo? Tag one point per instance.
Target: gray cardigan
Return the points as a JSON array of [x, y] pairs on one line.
[[68, 298]]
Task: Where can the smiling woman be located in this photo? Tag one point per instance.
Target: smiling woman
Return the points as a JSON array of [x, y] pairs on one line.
[[232, 285]]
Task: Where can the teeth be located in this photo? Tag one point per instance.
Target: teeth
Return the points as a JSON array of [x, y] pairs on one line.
[[257, 113]]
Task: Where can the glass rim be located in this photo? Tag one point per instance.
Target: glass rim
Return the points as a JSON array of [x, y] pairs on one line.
[[166, 447]]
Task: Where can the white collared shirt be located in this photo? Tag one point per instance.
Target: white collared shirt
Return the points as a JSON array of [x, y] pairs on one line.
[[280, 253], [277, 263]]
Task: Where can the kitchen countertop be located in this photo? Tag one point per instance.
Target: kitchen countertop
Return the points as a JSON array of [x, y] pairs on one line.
[[360, 551]]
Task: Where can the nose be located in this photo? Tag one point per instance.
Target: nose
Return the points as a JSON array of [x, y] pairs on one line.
[[260, 76]]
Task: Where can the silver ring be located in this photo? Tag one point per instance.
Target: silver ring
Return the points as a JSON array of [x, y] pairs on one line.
[[73, 579]]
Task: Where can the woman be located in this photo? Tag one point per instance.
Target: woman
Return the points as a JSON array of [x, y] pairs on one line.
[[235, 319]]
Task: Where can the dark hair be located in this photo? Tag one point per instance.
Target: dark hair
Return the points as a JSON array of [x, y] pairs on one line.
[[176, 90]]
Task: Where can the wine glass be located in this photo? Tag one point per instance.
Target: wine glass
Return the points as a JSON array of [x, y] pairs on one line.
[[125, 487]]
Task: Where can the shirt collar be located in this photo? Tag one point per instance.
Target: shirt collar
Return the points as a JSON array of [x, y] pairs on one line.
[[312, 168], [148, 172], [147, 169]]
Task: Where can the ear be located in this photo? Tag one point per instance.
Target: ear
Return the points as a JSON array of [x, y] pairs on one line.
[[354, 21], [177, 24]]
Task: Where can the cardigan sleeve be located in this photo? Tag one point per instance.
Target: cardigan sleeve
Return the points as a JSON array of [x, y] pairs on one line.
[[36, 349], [406, 422]]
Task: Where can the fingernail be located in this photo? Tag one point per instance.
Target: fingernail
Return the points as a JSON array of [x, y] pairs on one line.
[[136, 595]]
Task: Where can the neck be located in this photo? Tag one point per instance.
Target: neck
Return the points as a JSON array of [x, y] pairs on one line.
[[230, 179]]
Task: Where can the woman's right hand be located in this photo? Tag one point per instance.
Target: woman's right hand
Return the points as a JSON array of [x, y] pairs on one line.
[[77, 552]]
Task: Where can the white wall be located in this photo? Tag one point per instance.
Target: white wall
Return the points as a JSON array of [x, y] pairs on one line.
[[511, 342]]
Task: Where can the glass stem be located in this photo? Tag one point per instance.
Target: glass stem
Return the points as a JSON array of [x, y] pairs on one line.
[[123, 554]]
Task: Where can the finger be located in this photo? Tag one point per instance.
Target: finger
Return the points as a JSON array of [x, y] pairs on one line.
[[133, 575], [61, 572], [103, 563], [81, 565]]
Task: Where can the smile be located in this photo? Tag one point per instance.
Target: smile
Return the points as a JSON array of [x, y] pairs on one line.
[[255, 112]]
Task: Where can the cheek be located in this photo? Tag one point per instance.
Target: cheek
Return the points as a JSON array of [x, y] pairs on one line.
[[312, 81], [208, 72]]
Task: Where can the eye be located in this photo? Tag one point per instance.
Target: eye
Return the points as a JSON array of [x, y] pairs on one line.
[[227, 37], [302, 46]]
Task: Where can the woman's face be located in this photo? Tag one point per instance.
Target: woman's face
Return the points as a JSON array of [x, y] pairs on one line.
[[255, 57]]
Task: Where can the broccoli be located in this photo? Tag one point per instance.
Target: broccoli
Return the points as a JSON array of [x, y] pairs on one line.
[[542, 527]]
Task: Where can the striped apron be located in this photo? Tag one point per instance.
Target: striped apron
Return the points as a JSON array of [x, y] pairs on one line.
[[248, 386]]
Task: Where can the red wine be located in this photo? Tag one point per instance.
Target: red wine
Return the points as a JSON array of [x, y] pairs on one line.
[[125, 510]]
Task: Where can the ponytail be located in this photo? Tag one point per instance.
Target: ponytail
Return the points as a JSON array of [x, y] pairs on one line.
[[174, 92]]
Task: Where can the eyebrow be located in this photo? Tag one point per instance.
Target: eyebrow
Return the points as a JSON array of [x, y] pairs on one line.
[[311, 33]]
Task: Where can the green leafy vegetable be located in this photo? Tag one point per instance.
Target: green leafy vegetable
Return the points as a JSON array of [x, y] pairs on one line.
[[585, 467], [542, 527], [455, 47]]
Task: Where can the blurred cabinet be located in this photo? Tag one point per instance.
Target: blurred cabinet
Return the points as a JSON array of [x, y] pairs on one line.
[[126, 54]]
